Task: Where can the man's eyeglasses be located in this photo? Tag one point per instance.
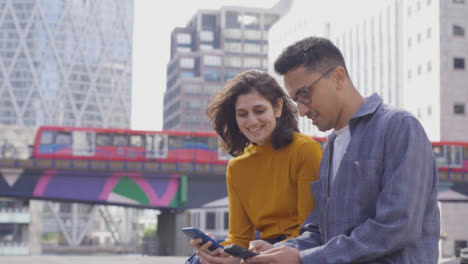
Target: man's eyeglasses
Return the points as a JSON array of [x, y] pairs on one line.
[[303, 95]]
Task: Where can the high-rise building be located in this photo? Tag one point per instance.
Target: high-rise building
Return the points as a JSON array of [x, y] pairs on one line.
[[412, 53], [368, 42], [215, 46], [62, 62], [66, 62]]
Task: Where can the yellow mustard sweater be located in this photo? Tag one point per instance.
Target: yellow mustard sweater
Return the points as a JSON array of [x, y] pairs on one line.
[[269, 190]]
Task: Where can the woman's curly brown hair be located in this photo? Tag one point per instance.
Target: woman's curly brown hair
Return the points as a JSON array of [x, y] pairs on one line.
[[222, 115]]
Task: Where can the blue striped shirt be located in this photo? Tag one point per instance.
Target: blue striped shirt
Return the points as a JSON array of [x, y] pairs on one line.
[[383, 205]]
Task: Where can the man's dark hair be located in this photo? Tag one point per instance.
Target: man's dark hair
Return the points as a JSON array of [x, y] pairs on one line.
[[222, 113], [316, 54]]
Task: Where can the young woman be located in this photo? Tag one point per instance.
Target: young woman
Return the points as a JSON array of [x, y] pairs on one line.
[[269, 179]]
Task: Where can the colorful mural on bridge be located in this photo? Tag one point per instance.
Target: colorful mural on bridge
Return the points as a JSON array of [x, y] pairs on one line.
[[105, 187]]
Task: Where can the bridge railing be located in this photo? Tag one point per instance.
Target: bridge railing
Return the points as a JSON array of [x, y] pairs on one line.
[[109, 165]]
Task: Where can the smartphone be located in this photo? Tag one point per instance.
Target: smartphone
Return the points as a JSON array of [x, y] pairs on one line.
[[194, 233], [238, 251]]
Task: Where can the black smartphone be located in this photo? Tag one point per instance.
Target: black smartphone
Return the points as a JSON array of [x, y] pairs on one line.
[[238, 251], [194, 233]]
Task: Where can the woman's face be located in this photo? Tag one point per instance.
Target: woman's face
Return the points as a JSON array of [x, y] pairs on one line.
[[256, 117]]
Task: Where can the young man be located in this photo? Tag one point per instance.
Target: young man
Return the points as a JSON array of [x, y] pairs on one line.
[[376, 197]]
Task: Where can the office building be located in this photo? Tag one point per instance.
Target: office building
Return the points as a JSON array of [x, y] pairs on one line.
[[62, 62], [215, 46], [66, 62], [413, 54]]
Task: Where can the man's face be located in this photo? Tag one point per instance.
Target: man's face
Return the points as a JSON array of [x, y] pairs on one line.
[[315, 95]]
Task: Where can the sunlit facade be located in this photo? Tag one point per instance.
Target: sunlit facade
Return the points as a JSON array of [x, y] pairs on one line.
[[412, 53], [66, 62]]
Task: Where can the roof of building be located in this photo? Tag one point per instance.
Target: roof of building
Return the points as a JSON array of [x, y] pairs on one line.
[[223, 202]]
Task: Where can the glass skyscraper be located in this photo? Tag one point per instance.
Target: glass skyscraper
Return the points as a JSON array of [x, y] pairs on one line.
[[66, 62]]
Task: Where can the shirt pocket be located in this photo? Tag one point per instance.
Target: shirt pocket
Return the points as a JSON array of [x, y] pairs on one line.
[[360, 190]]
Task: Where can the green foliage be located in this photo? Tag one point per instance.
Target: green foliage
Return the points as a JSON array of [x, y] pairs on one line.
[[150, 231]]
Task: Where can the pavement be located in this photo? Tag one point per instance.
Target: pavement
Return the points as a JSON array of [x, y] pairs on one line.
[[91, 260], [119, 259]]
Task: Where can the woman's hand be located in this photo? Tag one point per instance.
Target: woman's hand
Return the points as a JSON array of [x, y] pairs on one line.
[[259, 246], [197, 244]]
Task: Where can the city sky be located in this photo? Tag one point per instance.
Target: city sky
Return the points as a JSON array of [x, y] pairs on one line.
[[153, 22]]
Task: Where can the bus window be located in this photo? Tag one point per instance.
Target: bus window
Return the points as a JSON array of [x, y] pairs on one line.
[[63, 138], [137, 141], [120, 140], [83, 143], [156, 146], [47, 138], [103, 139]]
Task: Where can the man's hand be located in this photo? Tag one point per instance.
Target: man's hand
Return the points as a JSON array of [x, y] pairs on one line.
[[278, 255], [206, 258], [258, 246]]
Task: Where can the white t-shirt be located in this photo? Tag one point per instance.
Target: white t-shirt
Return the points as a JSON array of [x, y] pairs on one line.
[[343, 136]]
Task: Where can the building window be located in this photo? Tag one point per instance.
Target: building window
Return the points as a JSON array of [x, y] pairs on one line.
[[232, 33], [184, 38], [419, 38], [429, 66], [429, 33], [187, 74], [211, 89], [229, 75], [409, 10], [409, 74], [212, 76], [188, 63], [419, 69], [418, 6], [428, 2], [252, 48], [192, 89], [409, 42], [232, 61], [232, 20], [252, 62], [207, 36], [232, 46], [458, 1], [211, 60], [429, 110], [458, 31], [252, 34], [459, 109], [192, 104], [459, 63], [226, 221], [210, 221]]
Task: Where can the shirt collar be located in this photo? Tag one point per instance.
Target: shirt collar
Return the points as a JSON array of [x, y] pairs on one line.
[[369, 106]]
